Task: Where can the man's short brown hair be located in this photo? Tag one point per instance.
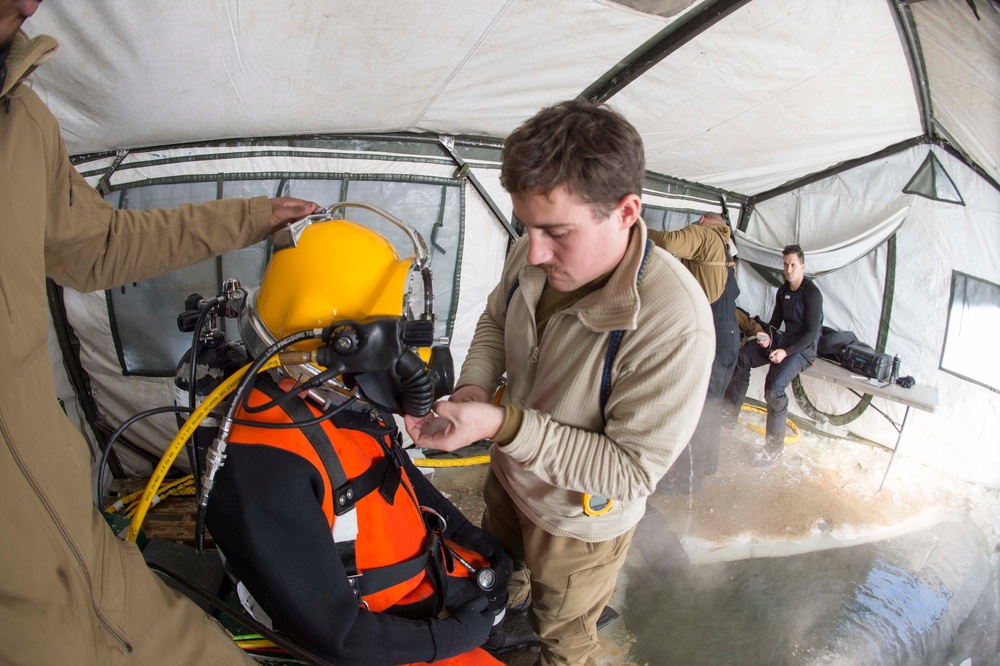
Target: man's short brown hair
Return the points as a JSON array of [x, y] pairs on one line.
[[591, 150], [794, 249]]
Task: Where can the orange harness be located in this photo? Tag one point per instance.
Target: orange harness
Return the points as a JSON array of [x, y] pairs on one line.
[[390, 555]]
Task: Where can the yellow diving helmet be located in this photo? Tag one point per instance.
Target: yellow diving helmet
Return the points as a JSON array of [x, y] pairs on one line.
[[330, 273]]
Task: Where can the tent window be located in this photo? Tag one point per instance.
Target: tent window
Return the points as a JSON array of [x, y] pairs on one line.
[[933, 182], [665, 219], [970, 338], [144, 314]]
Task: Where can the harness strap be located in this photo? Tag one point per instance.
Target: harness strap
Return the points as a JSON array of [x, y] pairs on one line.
[[314, 434], [382, 578], [385, 475], [297, 410]]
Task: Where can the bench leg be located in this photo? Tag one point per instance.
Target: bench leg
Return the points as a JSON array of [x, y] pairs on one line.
[[899, 436]]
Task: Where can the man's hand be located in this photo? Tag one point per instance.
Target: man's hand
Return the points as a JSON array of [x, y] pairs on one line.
[[763, 339], [777, 356], [469, 393], [452, 425], [285, 210]]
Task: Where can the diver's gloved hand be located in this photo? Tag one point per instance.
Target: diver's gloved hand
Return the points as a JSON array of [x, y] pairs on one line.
[[468, 627], [471, 537]]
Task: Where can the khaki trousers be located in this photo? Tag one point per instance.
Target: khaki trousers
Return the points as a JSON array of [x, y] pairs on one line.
[[569, 581], [96, 602]]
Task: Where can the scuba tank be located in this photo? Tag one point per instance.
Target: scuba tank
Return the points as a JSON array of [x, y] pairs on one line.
[[215, 360]]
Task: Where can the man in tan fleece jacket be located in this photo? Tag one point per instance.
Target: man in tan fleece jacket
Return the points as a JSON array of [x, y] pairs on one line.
[[606, 342], [70, 591]]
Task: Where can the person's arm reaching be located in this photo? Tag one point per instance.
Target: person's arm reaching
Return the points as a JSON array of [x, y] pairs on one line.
[[89, 245]]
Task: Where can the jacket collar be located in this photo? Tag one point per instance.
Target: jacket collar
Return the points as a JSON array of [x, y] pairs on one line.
[[25, 55], [615, 305]]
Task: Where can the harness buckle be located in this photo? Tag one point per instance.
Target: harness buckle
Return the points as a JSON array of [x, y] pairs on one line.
[[355, 583]]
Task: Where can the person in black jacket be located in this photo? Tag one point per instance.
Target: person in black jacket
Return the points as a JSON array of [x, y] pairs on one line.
[[799, 306]]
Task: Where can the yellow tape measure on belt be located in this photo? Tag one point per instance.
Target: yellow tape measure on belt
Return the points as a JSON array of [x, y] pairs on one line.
[[595, 505]]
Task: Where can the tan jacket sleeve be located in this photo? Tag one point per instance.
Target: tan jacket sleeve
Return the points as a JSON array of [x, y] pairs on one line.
[[686, 243], [90, 246], [655, 403]]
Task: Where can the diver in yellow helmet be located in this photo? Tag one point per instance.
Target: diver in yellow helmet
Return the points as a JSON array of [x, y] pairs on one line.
[[376, 310], [328, 526]]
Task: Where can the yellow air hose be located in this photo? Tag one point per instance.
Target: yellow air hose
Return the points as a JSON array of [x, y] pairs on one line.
[[186, 431], [789, 439]]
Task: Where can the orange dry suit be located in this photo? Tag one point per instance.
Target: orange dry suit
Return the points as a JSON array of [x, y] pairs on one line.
[[323, 525]]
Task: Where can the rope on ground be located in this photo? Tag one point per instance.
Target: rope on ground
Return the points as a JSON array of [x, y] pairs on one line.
[[451, 462], [789, 439]]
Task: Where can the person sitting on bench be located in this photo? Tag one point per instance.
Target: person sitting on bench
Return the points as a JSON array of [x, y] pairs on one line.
[[799, 306]]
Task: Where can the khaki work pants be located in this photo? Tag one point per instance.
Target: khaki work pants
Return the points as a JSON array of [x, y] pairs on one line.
[[106, 608], [569, 581]]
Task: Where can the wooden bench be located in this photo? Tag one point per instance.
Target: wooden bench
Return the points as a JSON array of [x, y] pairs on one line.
[[921, 396]]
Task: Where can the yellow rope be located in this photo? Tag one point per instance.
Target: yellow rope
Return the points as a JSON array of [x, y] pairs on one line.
[[255, 643], [131, 497], [185, 489], [789, 439], [451, 462]]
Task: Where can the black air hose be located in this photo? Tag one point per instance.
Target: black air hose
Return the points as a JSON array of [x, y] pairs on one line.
[[417, 383]]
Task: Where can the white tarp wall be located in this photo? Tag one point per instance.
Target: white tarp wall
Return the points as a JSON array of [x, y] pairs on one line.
[[935, 240]]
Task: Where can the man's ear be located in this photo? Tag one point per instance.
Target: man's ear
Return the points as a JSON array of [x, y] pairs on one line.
[[629, 208]]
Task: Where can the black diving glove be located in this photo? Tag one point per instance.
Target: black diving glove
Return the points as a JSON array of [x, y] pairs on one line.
[[466, 628]]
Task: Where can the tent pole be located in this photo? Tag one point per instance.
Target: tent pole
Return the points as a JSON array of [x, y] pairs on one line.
[[668, 40], [907, 28]]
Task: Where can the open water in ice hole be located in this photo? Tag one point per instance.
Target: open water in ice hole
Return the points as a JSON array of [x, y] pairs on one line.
[[925, 598]]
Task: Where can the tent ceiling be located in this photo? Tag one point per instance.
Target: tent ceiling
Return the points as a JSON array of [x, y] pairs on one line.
[[774, 91]]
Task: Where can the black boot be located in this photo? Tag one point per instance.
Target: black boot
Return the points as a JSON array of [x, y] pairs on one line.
[[766, 456]]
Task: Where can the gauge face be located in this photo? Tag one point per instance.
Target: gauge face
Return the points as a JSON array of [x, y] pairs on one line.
[[486, 579]]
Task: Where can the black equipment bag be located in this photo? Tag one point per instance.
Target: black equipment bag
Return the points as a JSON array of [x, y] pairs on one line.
[[862, 359]]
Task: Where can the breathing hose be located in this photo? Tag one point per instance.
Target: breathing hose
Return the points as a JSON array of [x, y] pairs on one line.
[[417, 383], [186, 431]]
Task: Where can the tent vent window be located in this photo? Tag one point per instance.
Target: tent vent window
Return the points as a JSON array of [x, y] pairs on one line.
[[662, 219], [970, 338], [933, 182]]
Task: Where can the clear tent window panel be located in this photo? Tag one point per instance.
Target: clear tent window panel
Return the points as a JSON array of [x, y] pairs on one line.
[[970, 337], [144, 314], [435, 211], [665, 219]]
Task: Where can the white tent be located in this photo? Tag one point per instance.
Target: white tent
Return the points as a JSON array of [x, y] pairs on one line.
[[809, 121]]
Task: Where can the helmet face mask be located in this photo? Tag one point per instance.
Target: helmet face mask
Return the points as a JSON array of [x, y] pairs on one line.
[[327, 272]]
